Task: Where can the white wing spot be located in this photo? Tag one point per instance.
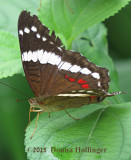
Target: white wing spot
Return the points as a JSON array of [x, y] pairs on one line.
[[43, 38], [99, 84], [59, 48], [26, 30], [58, 61], [29, 56], [25, 56], [40, 54], [96, 75], [34, 56], [75, 69], [73, 95], [45, 57], [90, 91], [54, 59], [81, 91], [51, 43], [21, 32], [38, 35], [65, 66], [34, 29], [85, 71]]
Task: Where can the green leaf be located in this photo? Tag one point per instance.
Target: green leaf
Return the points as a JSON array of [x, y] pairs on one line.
[[10, 62], [92, 43], [98, 128], [73, 17], [119, 34], [10, 10], [123, 67], [13, 118]]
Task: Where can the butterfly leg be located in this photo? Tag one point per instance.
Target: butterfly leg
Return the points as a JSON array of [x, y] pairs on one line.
[[32, 109], [38, 111], [35, 124], [70, 115], [29, 116]]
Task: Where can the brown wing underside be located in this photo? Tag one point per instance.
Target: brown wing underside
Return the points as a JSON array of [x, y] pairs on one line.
[[47, 79]]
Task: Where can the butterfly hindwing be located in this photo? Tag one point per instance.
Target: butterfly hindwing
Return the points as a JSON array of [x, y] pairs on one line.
[[82, 73], [49, 68]]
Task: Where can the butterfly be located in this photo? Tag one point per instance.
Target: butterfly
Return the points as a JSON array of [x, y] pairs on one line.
[[59, 78]]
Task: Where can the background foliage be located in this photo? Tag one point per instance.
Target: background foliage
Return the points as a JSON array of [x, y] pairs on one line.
[[76, 23]]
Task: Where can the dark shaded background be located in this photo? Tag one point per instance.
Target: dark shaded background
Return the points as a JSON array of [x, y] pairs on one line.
[[14, 117], [119, 40]]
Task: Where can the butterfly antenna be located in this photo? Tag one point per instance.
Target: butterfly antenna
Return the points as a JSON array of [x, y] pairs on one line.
[[17, 100], [115, 93], [15, 90]]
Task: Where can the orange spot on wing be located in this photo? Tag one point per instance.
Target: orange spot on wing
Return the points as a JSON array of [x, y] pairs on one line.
[[92, 98], [81, 81], [85, 86], [66, 76], [71, 79]]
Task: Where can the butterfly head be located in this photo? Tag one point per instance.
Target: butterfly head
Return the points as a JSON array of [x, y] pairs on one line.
[[33, 102], [101, 98]]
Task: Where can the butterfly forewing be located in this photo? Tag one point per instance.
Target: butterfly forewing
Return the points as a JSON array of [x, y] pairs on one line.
[[36, 43], [49, 68]]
